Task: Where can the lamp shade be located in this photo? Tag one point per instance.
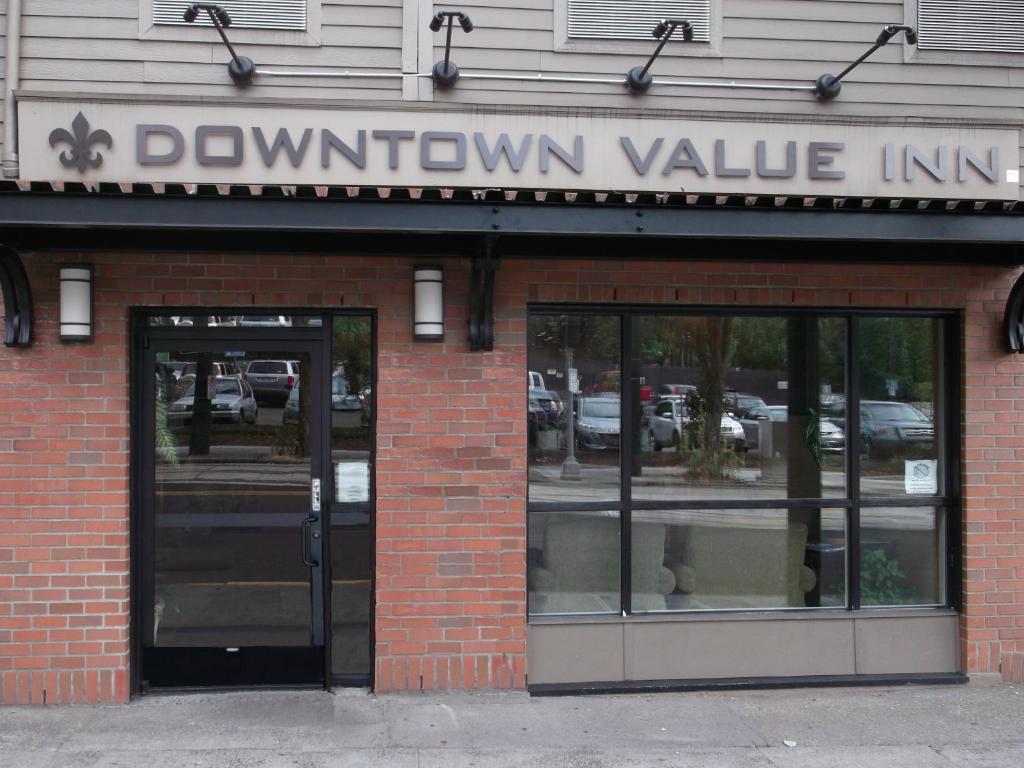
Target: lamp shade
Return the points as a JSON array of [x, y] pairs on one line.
[[76, 302], [428, 304]]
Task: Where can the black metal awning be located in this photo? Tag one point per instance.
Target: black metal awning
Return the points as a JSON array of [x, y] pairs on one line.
[[42, 215]]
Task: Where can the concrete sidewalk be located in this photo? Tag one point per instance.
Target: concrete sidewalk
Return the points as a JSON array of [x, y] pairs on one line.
[[908, 727]]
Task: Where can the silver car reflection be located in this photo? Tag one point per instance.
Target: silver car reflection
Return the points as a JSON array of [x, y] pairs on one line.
[[231, 400], [670, 418]]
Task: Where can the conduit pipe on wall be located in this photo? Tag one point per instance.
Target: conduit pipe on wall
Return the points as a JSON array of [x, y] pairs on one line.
[[537, 78], [12, 82]]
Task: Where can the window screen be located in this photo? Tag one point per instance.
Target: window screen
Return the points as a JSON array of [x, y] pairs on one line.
[[634, 20], [245, 14], [971, 25]]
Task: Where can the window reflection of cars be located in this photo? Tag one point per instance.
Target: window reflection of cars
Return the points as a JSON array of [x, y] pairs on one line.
[[597, 423], [342, 398], [889, 428], [232, 401], [741, 402], [670, 418], [291, 407], [187, 374], [272, 380], [265, 321], [831, 438]]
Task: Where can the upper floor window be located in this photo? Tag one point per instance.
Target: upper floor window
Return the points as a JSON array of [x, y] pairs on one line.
[[970, 25], [634, 19], [245, 14]]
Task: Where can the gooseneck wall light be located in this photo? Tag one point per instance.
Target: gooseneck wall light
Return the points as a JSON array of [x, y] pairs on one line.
[[827, 87], [76, 302], [446, 73], [639, 79], [428, 304], [241, 68]]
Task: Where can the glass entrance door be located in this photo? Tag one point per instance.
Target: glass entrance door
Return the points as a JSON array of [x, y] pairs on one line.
[[232, 576]]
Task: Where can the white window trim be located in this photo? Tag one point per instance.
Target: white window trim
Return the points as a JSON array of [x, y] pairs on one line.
[[312, 36], [914, 55], [566, 44]]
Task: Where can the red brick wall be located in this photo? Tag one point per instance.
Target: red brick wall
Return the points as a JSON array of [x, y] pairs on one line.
[[451, 472]]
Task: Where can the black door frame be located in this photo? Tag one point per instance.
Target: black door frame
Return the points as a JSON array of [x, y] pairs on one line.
[[140, 486]]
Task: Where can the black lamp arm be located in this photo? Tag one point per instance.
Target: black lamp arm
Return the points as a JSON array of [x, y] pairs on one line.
[[669, 26], [827, 87], [212, 11], [639, 79], [241, 68], [446, 73]]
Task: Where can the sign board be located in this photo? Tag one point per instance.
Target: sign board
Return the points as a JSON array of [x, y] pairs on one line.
[[352, 481], [921, 476], [506, 147]]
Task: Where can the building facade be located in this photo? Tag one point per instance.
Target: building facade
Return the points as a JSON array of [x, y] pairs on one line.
[[341, 368]]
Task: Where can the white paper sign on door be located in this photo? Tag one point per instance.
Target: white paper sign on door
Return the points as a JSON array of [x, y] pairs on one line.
[[352, 481], [921, 476]]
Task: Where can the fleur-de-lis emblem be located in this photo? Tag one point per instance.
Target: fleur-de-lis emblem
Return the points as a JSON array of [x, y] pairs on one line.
[[80, 156]]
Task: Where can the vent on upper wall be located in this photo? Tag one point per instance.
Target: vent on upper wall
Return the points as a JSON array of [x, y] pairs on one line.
[[635, 19], [971, 25], [245, 14]]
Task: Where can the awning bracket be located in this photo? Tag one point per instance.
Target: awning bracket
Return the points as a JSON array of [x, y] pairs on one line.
[[17, 299], [481, 297], [1013, 318]]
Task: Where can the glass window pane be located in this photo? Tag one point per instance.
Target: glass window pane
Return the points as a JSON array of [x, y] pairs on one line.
[[574, 562], [900, 361], [735, 559], [351, 541], [235, 321], [574, 437], [231, 490], [734, 407], [900, 556]]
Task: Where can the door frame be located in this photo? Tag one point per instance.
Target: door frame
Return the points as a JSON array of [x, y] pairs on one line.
[[140, 486]]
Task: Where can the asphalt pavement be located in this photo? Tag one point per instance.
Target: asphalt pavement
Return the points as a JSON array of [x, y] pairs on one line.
[[908, 727]]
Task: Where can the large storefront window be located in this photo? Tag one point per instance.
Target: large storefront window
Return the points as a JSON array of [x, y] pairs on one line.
[[699, 461]]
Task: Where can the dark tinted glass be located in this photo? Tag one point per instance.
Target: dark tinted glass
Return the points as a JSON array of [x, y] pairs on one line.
[[574, 562], [738, 558], [901, 406], [901, 561], [574, 386], [351, 451], [741, 414], [231, 491]]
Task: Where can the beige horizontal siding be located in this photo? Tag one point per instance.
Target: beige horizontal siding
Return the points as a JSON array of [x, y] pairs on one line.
[[95, 46]]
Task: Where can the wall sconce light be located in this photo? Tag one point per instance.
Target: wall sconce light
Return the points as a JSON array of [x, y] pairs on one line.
[[428, 304], [445, 73], [76, 302], [827, 87], [241, 68], [639, 79]]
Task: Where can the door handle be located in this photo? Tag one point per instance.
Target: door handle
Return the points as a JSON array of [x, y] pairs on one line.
[[307, 558]]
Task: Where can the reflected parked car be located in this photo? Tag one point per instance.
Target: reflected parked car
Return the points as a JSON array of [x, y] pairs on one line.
[[671, 417], [741, 402], [548, 403], [291, 407], [889, 428], [831, 438], [597, 423], [272, 380], [677, 390], [232, 400], [264, 321], [187, 374], [342, 398]]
